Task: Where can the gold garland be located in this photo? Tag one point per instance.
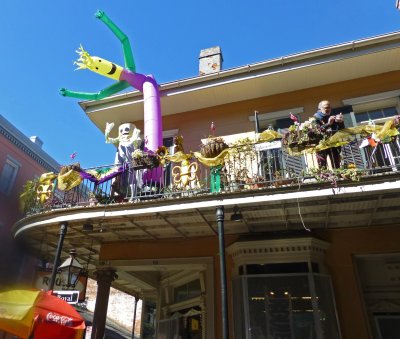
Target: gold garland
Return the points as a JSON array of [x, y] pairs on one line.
[[212, 162], [69, 180], [177, 157], [347, 135], [268, 135]]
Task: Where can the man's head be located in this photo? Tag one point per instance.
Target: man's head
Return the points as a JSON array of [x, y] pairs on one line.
[[325, 107]]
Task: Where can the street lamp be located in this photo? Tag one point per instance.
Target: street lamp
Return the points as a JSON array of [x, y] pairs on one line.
[[70, 270]]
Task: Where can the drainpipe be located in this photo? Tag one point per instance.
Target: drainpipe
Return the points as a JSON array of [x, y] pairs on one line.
[[222, 264]]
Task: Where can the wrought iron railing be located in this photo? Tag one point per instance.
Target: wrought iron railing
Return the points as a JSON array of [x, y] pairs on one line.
[[249, 167]]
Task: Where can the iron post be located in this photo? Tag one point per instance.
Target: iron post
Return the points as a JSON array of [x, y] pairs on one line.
[[63, 232], [224, 300]]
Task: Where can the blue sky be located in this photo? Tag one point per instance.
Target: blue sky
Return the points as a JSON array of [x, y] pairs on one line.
[[39, 39]]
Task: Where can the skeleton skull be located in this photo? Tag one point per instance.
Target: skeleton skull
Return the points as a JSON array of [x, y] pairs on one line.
[[125, 132]]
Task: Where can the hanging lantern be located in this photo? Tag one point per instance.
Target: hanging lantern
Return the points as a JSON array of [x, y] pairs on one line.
[[70, 270]]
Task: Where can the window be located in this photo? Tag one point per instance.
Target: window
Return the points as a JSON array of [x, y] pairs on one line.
[[187, 291], [379, 108], [168, 141], [8, 175], [284, 306], [379, 285], [279, 120], [282, 290], [377, 114]]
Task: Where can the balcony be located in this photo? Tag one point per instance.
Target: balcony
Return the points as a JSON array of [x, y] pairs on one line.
[[261, 186], [250, 170]]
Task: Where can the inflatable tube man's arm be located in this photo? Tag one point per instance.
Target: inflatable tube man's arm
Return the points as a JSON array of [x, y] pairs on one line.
[[128, 55], [104, 93]]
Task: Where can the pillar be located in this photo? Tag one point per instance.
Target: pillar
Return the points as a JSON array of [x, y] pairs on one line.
[[104, 279]]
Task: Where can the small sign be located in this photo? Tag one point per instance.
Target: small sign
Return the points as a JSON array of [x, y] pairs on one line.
[[42, 282], [71, 297], [269, 145]]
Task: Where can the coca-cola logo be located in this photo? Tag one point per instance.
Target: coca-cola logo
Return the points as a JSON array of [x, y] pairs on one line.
[[59, 319]]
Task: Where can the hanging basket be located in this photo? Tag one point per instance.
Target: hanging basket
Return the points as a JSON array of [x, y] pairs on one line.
[[146, 160], [213, 147]]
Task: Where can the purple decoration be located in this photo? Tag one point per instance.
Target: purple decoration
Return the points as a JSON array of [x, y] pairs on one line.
[[112, 173], [152, 107], [152, 115]]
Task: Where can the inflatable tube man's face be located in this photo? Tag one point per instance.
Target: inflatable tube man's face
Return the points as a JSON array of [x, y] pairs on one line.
[[97, 65]]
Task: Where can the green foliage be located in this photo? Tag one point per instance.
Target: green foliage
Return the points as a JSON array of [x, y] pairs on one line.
[[28, 197], [334, 175]]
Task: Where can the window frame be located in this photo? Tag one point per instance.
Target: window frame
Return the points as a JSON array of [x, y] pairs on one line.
[[16, 165], [266, 118], [377, 101]]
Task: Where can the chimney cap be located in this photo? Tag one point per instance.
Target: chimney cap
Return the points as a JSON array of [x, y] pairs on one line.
[[210, 51], [36, 140]]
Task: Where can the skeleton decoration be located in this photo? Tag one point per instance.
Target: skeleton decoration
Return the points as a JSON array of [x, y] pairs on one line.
[[128, 140]]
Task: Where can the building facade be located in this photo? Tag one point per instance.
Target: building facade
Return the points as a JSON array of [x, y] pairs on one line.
[[307, 253], [21, 159]]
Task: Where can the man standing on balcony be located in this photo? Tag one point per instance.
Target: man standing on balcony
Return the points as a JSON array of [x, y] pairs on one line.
[[329, 124]]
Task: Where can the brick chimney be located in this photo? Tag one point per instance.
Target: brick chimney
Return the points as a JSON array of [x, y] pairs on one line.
[[210, 60], [37, 141]]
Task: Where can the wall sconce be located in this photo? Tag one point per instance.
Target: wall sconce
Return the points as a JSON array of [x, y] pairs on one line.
[[236, 216]]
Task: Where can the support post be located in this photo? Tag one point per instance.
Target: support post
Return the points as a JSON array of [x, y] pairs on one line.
[[63, 232], [256, 122], [104, 277], [134, 317], [224, 300]]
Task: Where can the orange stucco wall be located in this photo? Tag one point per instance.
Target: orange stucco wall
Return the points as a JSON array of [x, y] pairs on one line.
[[344, 244], [233, 118]]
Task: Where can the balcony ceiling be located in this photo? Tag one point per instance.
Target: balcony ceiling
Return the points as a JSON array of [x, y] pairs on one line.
[[253, 81], [294, 208]]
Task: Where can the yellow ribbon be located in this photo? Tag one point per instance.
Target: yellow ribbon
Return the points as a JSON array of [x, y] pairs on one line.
[[212, 162], [69, 180]]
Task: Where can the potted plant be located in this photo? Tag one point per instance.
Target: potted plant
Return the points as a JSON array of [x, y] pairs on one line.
[[145, 159], [212, 147]]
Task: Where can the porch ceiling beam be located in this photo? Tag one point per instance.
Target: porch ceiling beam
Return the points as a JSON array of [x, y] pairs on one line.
[[172, 225], [141, 228], [373, 212], [140, 279], [327, 213], [206, 221]]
